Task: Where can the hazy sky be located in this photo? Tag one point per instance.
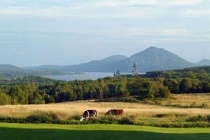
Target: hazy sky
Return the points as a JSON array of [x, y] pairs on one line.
[[65, 32]]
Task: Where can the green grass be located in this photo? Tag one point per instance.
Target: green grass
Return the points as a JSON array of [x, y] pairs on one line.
[[10, 131]]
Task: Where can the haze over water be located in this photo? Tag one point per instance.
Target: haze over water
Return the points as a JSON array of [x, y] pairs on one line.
[[80, 76]]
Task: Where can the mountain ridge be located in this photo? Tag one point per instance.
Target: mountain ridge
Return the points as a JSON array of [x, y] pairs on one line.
[[8, 71], [203, 62], [154, 58], [104, 65], [150, 59]]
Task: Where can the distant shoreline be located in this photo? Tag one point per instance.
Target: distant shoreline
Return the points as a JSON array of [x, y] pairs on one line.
[[80, 76]]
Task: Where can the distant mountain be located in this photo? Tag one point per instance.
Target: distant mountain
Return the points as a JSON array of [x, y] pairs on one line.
[[11, 72], [104, 65], [150, 59], [154, 58], [204, 62], [114, 58], [45, 70]]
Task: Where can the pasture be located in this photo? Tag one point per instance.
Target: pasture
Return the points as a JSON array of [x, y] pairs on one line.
[[169, 112], [10, 131], [190, 104], [199, 100], [175, 110]]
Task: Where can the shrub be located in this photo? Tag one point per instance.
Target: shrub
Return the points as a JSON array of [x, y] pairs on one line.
[[208, 118], [75, 117], [11, 119], [107, 120], [4, 98], [164, 92], [199, 118], [125, 120], [204, 105], [161, 115], [42, 117]]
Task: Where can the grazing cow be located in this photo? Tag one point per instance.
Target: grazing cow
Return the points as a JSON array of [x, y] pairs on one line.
[[88, 114], [115, 112]]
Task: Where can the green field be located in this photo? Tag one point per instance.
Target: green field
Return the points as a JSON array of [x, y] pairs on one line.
[[11, 131]]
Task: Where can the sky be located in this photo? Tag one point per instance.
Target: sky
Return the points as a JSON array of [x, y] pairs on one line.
[[66, 32]]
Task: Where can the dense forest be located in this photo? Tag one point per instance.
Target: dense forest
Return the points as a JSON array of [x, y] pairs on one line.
[[189, 80], [35, 90], [159, 84]]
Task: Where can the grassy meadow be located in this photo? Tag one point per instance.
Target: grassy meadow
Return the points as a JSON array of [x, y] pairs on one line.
[[10, 131], [172, 112], [199, 100], [186, 110]]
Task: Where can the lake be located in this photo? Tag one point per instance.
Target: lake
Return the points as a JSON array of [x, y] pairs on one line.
[[80, 76]]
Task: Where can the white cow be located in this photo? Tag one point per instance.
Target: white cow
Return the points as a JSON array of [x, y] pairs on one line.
[[88, 114]]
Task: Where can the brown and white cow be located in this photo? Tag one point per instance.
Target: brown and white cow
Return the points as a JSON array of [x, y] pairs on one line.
[[115, 112], [88, 114]]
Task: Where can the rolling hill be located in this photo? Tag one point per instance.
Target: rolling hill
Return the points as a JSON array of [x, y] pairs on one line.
[[148, 60], [106, 65], [11, 72], [204, 62], [157, 59]]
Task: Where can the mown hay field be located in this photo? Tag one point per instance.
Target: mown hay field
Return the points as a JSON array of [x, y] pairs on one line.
[[199, 100], [172, 112], [77, 108]]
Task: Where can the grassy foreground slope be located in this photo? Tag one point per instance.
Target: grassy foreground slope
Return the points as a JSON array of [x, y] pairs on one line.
[[96, 131]]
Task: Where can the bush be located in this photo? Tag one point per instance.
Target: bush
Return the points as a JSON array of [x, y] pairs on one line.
[[199, 118], [11, 119], [4, 98], [161, 115], [107, 120], [204, 105], [208, 118], [125, 120], [75, 117], [164, 92], [130, 99], [42, 117]]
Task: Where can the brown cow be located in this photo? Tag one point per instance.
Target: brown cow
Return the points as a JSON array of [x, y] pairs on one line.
[[88, 114], [115, 112]]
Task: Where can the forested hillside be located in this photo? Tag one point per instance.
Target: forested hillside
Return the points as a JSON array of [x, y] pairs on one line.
[[189, 80], [158, 84], [44, 91], [11, 72]]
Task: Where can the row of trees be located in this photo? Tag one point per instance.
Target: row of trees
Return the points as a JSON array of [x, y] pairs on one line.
[[59, 91], [187, 85], [190, 80], [36, 90]]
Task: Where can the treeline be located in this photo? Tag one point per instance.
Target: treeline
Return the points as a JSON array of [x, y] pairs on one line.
[[189, 80], [28, 92], [36, 90]]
